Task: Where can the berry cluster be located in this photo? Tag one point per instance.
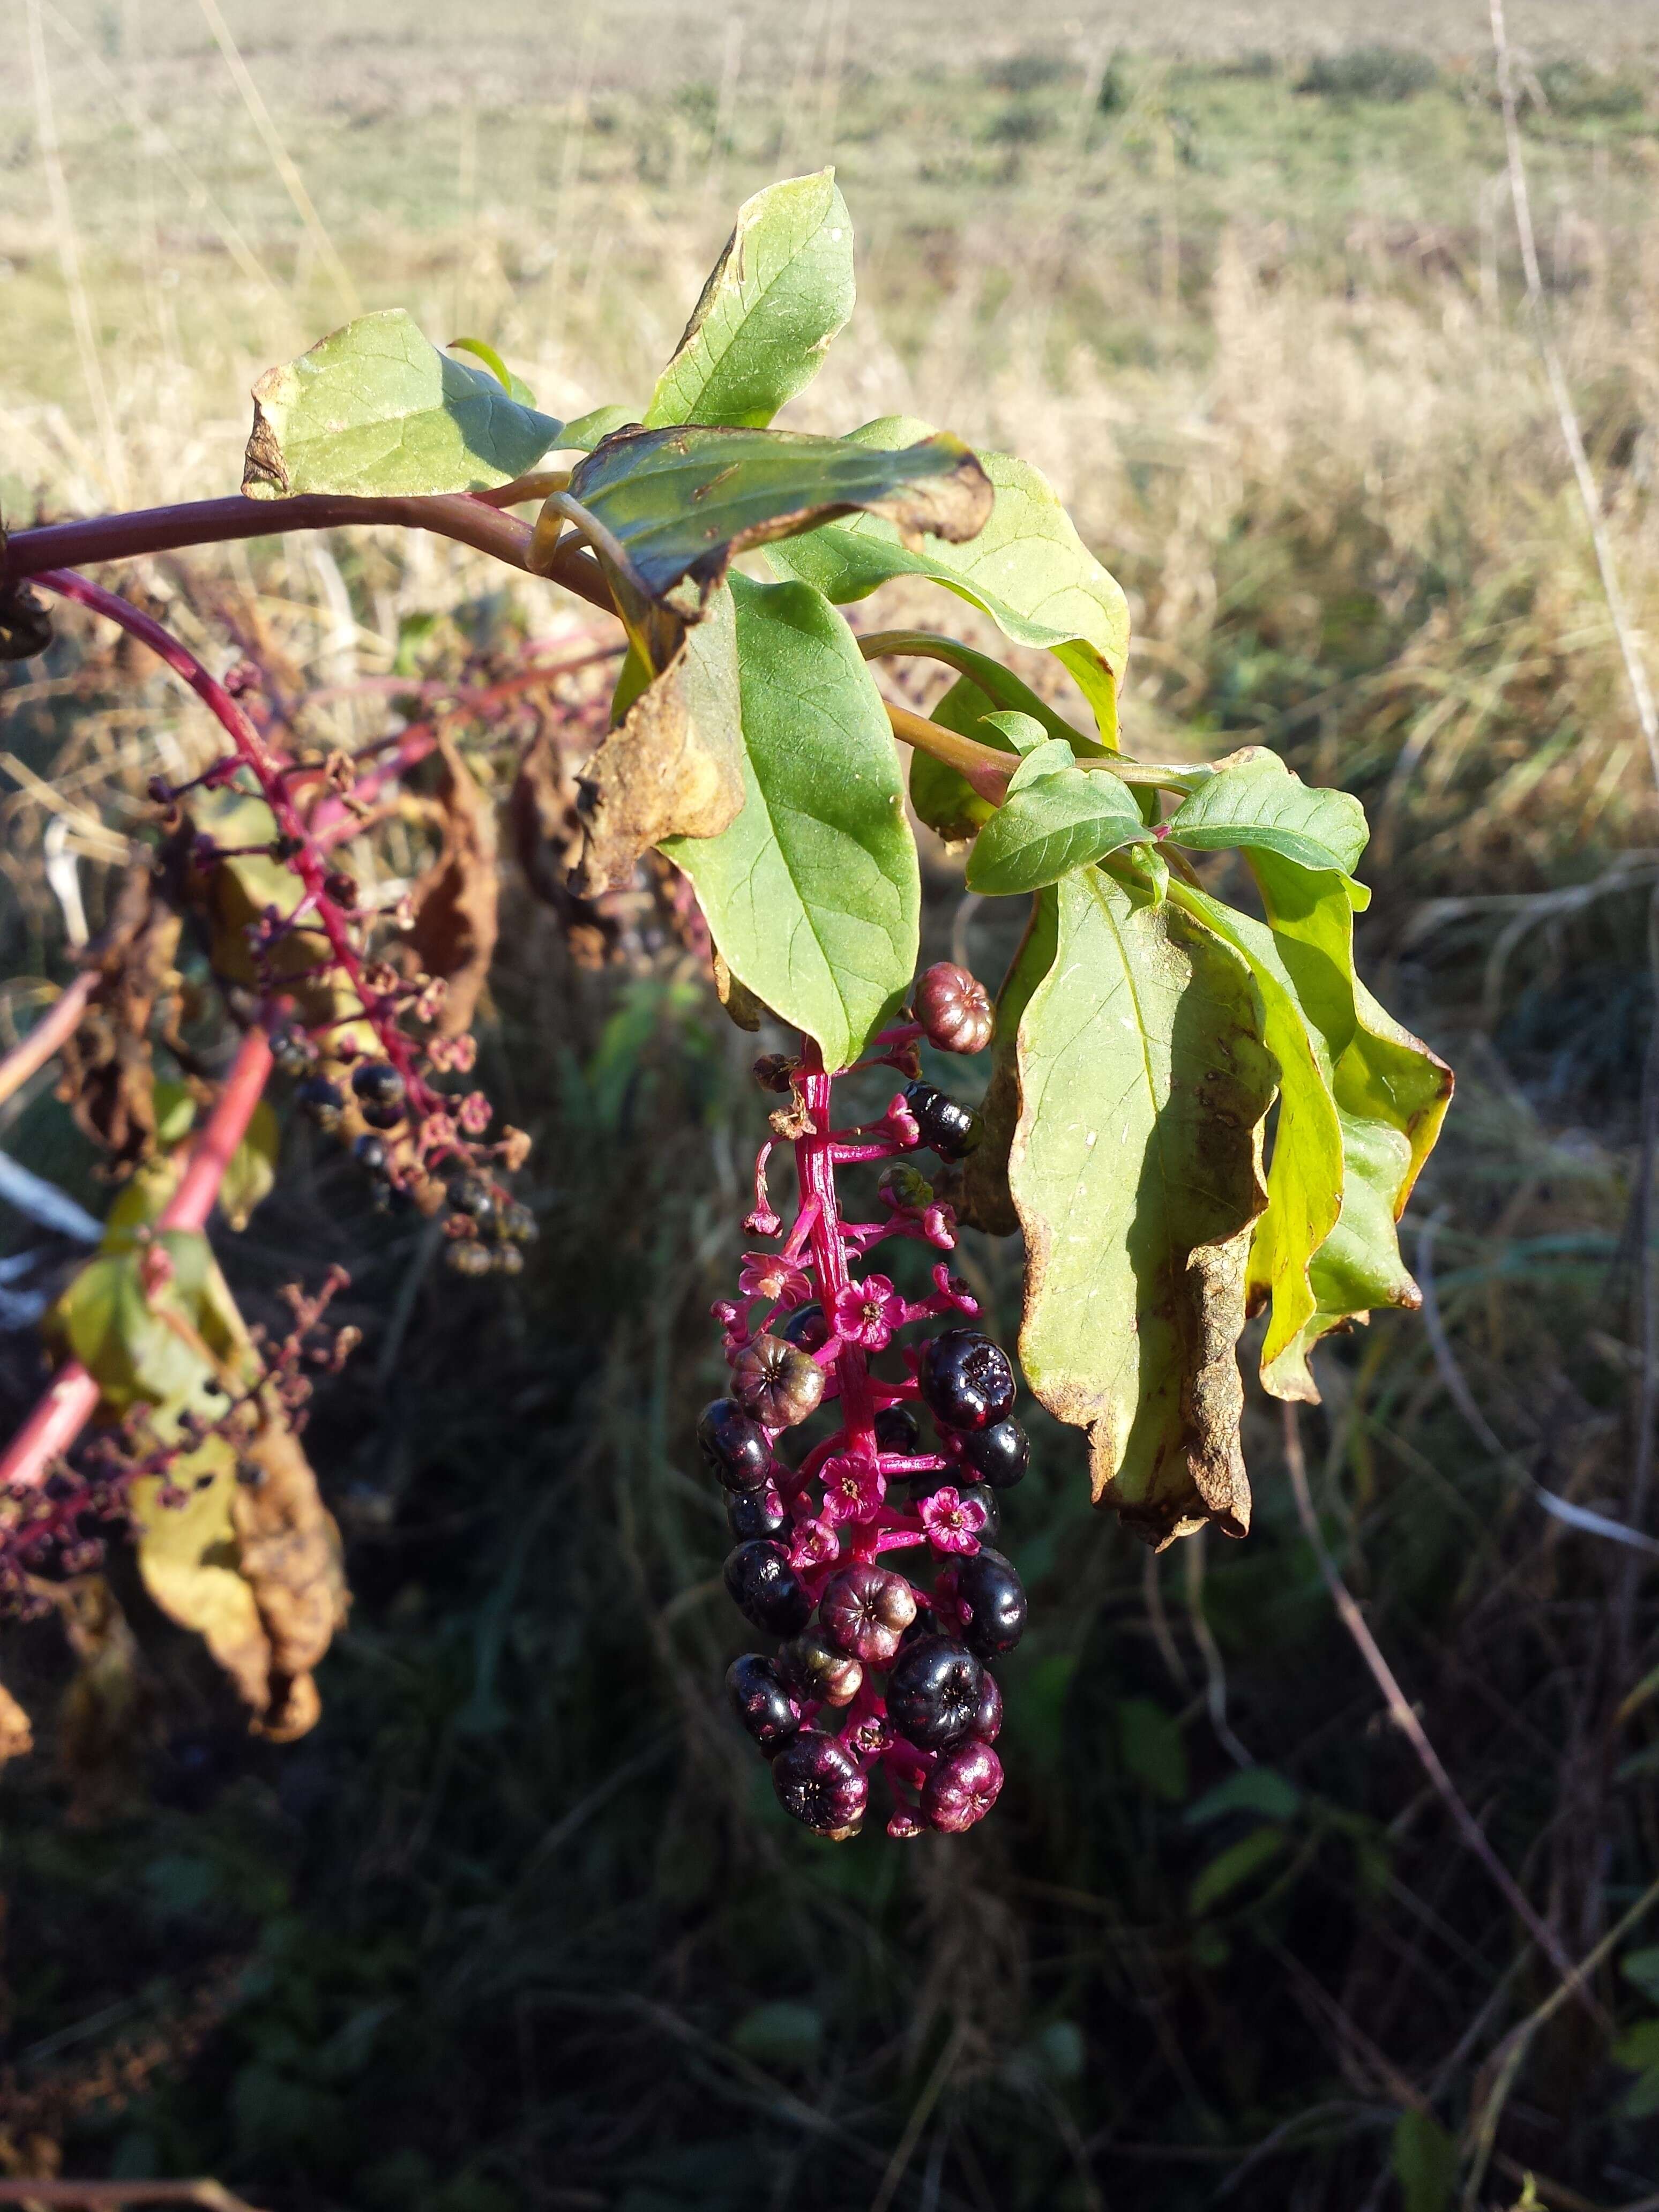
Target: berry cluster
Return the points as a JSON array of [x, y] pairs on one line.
[[812, 1563]]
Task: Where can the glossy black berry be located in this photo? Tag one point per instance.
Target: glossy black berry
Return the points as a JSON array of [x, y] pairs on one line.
[[805, 1329], [765, 1588], [818, 1782], [980, 1493], [990, 1603], [370, 1153], [751, 1513], [951, 1129], [733, 1447], [380, 1117], [998, 1455], [377, 1083], [761, 1702], [933, 1692], [987, 1721], [966, 1381], [471, 1195], [897, 1430], [322, 1100]]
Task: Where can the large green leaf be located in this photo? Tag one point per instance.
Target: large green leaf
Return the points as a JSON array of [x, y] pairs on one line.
[[376, 410], [1144, 1080], [1028, 569], [1304, 1175], [150, 1322], [1391, 1094], [678, 505], [813, 895], [1253, 799], [778, 292], [1057, 817]]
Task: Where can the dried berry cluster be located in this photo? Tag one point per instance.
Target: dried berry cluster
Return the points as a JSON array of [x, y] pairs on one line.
[[816, 1541]]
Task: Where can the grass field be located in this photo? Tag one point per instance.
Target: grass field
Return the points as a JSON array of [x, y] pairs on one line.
[[515, 1926]]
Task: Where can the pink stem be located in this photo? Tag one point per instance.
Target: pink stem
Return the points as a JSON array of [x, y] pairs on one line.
[[71, 1398], [50, 1034]]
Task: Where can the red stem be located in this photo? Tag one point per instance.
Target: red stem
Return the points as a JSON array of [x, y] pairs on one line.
[[815, 1162], [50, 1034], [71, 1398]]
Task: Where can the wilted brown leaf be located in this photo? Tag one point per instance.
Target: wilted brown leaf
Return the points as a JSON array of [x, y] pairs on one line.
[[673, 765], [455, 901], [16, 1736], [107, 1079], [547, 839], [290, 1557]]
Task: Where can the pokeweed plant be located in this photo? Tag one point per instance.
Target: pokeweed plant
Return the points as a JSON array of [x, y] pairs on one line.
[[1140, 1042]]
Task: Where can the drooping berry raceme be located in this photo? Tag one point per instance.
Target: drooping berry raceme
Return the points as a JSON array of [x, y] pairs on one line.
[[866, 1551]]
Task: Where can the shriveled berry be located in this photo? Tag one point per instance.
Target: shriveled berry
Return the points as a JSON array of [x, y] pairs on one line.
[[966, 1380], [765, 1588], [322, 1100], [506, 1260], [906, 1185], [954, 1009], [776, 1382], [933, 1692], [820, 1783], [773, 1071], [733, 1446], [951, 1129], [865, 1610], [378, 1082], [341, 888], [961, 1789], [805, 1329], [980, 1493], [466, 1257], [989, 1603], [987, 1721], [370, 1152], [998, 1455], [813, 1668], [518, 1225], [761, 1702], [379, 1116], [755, 1513], [897, 1430]]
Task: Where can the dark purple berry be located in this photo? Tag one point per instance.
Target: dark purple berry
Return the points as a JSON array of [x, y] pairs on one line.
[[998, 1455], [734, 1446], [813, 1668], [961, 1789], [776, 1383], [765, 1588], [865, 1610], [805, 1329], [987, 1721], [989, 1603], [952, 1130], [820, 1783], [954, 1009], [933, 1692], [370, 1152], [897, 1430], [380, 1117], [980, 1493], [378, 1082], [342, 888], [322, 1100], [751, 1513], [761, 1702], [471, 1195], [966, 1380]]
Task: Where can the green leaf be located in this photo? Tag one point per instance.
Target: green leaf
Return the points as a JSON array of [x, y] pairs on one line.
[[375, 410], [780, 290], [1230, 1870], [1304, 1175], [1028, 569], [593, 429], [678, 505], [1152, 1749], [1144, 1080], [1641, 1970], [1254, 1789], [514, 387], [1057, 817], [1637, 2048], [1253, 799], [251, 1172], [781, 2034], [813, 895], [1424, 2161], [152, 1347], [175, 1111]]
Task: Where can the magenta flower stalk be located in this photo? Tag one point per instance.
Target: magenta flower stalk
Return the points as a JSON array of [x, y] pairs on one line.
[[876, 1674]]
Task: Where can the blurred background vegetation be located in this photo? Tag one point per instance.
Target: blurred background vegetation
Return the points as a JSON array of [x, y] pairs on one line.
[[520, 1925]]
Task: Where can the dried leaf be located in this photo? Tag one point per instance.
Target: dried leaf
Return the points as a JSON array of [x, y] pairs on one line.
[[743, 1009], [291, 1559], [107, 1079], [673, 765], [16, 1736], [547, 839], [455, 901]]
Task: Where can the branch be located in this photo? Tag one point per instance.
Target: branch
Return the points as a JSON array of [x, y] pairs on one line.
[[71, 1398], [49, 1036], [96, 2195]]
